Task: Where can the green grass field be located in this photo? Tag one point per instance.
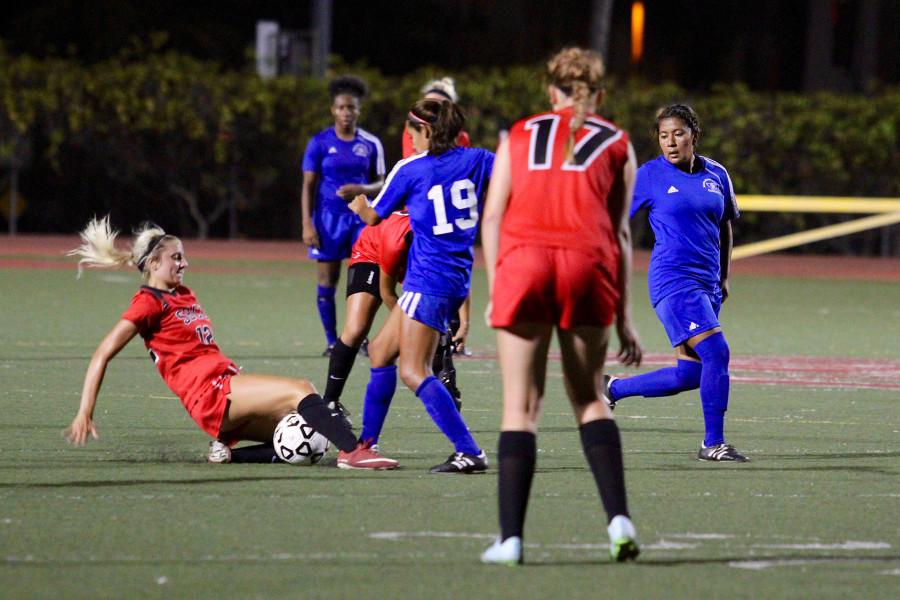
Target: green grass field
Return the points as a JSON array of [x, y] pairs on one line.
[[138, 513]]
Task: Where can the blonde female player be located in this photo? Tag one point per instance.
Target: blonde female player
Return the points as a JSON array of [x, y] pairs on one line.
[[558, 252], [179, 337]]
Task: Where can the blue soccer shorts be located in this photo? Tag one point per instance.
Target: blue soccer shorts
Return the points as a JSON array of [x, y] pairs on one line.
[[688, 312], [337, 233], [433, 311]]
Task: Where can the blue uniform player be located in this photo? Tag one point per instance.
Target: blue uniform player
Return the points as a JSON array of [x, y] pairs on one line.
[[443, 190], [339, 163], [691, 204]]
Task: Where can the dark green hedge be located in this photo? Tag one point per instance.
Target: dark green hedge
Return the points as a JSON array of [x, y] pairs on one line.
[[158, 135]]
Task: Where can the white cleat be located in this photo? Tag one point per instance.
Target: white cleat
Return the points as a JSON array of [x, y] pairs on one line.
[[508, 552], [219, 453], [622, 539]]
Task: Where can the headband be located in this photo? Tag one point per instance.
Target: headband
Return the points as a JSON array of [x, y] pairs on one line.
[[417, 119], [154, 242], [439, 92]]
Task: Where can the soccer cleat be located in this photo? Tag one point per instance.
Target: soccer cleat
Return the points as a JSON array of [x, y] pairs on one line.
[[365, 456], [607, 382], [328, 349], [364, 347], [219, 453], [507, 552], [721, 453], [460, 462], [622, 539], [337, 406]]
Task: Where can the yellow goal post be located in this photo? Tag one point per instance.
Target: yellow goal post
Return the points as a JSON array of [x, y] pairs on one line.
[[886, 212]]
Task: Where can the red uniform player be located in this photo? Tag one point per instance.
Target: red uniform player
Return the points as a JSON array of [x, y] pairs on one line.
[[180, 338], [559, 257], [557, 249]]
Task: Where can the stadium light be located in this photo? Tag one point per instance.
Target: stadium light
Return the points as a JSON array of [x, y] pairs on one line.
[[637, 32]]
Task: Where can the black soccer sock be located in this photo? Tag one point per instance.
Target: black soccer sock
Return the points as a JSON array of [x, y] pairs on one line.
[[339, 365], [517, 454], [315, 411], [260, 453], [603, 449]]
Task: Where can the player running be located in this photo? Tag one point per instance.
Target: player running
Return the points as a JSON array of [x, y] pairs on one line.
[[442, 187], [179, 336], [339, 163], [558, 252], [691, 203]]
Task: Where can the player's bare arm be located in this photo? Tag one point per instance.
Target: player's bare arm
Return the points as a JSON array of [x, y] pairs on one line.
[[348, 191], [307, 201], [82, 426], [360, 205]]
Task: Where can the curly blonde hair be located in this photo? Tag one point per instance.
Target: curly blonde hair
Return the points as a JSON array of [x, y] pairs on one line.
[[445, 86], [98, 248], [578, 73]]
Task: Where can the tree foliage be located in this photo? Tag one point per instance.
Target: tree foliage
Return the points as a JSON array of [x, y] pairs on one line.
[[152, 134]]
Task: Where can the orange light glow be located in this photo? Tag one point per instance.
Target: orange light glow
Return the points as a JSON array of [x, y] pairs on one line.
[[637, 32]]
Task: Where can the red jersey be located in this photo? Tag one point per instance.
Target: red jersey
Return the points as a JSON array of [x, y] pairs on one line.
[[462, 140], [558, 205], [179, 337], [385, 244]]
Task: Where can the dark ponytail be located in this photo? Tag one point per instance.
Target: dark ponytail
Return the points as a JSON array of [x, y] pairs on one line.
[[445, 118]]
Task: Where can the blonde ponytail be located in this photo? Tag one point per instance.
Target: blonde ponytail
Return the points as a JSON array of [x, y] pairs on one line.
[[98, 248], [578, 73]]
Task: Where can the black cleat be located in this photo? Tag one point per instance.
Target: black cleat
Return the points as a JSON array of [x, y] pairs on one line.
[[337, 406], [364, 348], [460, 462], [328, 349], [721, 453]]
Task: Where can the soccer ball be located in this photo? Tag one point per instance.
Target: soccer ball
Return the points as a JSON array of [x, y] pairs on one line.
[[296, 442]]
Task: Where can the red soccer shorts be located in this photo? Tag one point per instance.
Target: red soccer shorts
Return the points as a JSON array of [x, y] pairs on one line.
[[563, 287], [207, 408]]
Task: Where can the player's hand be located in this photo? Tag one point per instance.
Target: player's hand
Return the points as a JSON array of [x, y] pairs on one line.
[[724, 286], [358, 203], [349, 191], [80, 430], [310, 235], [487, 313], [630, 352], [459, 340]]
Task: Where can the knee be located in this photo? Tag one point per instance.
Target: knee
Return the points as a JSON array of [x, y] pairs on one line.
[[714, 351], [303, 388], [411, 376]]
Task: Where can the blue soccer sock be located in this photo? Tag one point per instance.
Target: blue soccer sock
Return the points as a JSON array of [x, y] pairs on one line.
[[379, 393], [662, 382], [439, 404], [714, 386], [327, 312]]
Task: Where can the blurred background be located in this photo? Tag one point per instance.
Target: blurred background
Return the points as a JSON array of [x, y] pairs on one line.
[[196, 114]]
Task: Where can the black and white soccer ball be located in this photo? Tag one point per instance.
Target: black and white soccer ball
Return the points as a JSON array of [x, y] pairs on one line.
[[296, 442]]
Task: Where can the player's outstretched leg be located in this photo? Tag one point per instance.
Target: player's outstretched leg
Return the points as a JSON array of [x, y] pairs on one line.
[[655, 384]]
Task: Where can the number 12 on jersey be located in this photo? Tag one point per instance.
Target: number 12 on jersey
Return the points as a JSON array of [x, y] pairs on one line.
[[462, 196]]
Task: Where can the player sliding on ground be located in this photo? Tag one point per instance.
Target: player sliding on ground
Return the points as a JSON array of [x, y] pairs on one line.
[[179, 337]]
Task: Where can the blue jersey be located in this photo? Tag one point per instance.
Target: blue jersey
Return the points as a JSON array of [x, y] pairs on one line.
[[444, 195], [686, 214], [338, 162]]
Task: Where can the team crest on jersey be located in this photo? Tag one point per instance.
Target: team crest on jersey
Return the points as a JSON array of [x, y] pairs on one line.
[[361, 150], [189, 315], [332, 150], [712, 186]]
